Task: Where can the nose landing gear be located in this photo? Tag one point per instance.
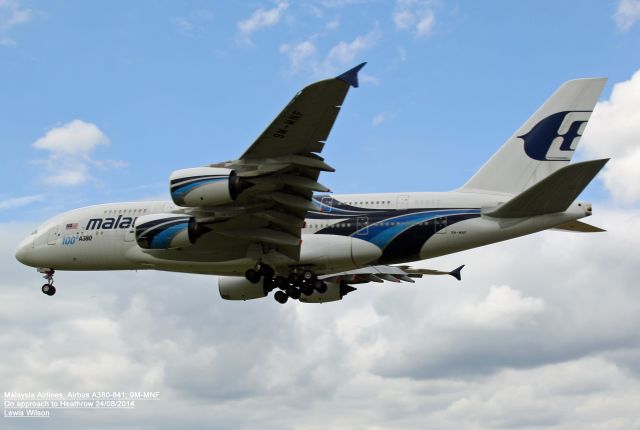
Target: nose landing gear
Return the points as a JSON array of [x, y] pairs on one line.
[[48, 288]]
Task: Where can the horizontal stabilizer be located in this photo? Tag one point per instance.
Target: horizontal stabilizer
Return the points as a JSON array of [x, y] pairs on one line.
[[418, 272], [386, 273], [555, 193], [579, 226]]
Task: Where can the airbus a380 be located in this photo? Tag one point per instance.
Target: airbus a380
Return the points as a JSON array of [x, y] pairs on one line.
[[263, 222]]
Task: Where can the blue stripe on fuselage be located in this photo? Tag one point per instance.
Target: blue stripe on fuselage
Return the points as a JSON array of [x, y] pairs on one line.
[[381, 235]]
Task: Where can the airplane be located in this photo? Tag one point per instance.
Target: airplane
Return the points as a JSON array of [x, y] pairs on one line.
[[263, 222]]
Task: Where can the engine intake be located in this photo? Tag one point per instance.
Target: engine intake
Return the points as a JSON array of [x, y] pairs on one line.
[[167, 231], [205, 186]]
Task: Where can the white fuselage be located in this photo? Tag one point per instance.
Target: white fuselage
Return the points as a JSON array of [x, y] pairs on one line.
[[349, 231]]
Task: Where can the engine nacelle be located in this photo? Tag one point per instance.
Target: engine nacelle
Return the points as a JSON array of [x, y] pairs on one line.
[[204, 186], [337, 253], [239, 288], [167, 231], [334, 293]]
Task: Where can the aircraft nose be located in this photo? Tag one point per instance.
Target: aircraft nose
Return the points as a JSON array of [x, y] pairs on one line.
[[22, 252]]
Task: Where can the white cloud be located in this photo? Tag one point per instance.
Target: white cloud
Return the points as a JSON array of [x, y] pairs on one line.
[[304, 56], [622, 177], [183, 24], [16, 202], [627, 14], [70, 147], [403, 19], [381, 118], [378, 119], [77, 138], [64, 177], [425, 24], [262, 18], [614, 131], [435, 354], [575, 393], [416, 16], [300, 55], [347, 52], [502, 308], [193, 22], [333, 24], [12, 14]]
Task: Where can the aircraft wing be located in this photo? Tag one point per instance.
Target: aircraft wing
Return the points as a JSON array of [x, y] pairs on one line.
[[304, 124], [280, 169], [386, 273]]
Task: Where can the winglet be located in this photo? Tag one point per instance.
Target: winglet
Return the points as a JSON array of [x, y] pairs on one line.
[[351, 76], [456, 273]]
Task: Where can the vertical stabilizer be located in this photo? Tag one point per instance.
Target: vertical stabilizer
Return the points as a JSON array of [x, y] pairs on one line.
[[544, 143]]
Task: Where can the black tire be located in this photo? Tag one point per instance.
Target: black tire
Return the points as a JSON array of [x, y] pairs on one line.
[[293, 292], [293, 278], [320, 287], [46, 288], [280, 282], [281, 297], [308, 276], [307, 290], [252, 276], [266, 271], [267, 286], [52, 290]]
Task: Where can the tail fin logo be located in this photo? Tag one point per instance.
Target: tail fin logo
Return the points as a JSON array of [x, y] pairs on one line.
[[555, 137]]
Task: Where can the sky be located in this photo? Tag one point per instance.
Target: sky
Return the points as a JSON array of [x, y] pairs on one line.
[[101, 101]]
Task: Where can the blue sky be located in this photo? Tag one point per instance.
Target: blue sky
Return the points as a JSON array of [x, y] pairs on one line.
[[174, 85]]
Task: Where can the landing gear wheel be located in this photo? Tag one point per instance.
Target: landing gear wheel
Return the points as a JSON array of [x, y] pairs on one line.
[[252, 276], [308, 276], [307, 289], [48, 289], [280, 282], [293, 292], [266, 271], [293, 278], [281, 297], [320, 286], [268, 286]]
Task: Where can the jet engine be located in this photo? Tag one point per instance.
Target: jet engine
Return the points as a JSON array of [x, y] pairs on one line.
[[167, 231], [205, 186], [239, 288], [335, 291]]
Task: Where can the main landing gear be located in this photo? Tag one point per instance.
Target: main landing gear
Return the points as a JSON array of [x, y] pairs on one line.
[[296, 284], [48, 288]]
